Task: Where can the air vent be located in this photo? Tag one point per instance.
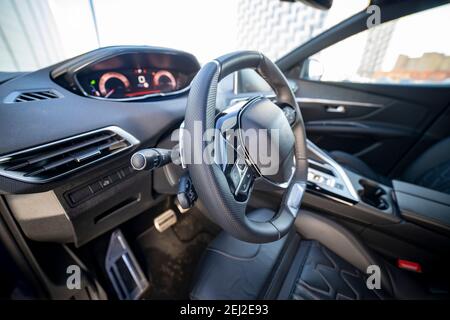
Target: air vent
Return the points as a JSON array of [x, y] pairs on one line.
[[51, 161], [35, 95]]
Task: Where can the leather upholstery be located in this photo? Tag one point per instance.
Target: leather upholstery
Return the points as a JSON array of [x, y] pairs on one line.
[[338, 239], [234, 269], [321, 260], [430, 170], [358, 166], [323, 275]]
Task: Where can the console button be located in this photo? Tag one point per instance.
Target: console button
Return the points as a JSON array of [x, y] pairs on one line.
[[114, 177], [95, 187], [80, 195], [127, 171], [105, 182]]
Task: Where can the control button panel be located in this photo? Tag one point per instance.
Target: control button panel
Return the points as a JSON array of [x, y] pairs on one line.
[[86, 192], [324, 179], [321, 178]]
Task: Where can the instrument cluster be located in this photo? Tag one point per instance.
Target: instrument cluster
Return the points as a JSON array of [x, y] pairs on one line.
[[130, 83], [128, 73]]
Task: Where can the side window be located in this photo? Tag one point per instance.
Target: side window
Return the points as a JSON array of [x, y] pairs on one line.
[[414, 49]]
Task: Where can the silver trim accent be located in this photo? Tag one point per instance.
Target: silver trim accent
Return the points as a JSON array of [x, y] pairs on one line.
[[235, 82], [13, 175], [30, 210], [337, 102], [282, 185], [181, 145], [318, 101], [219, 66], [132, 164], [294, 198], [118, 248], [336, 109], [165, 220], [242, 174], [337, 167]]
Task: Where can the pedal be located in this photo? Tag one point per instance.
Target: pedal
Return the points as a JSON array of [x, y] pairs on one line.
[[165, 220], [123, 269]]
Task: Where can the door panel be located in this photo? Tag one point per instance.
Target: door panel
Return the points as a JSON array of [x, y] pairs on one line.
[[378, 123]]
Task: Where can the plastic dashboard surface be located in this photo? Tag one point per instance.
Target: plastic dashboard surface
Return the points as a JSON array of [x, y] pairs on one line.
[[33, 123]]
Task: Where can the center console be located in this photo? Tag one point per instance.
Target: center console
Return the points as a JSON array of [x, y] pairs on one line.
[[400, 221], [358, 197]]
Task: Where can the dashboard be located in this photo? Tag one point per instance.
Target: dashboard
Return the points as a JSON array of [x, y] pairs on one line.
[[136, 74], [68, 131]]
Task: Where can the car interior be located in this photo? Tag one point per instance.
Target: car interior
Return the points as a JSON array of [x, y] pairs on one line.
[[97, 173]]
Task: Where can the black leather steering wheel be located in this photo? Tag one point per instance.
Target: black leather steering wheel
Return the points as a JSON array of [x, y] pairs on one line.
[[224, 187]]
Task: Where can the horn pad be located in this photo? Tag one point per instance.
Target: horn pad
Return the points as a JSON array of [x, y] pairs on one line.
[[268, 139]]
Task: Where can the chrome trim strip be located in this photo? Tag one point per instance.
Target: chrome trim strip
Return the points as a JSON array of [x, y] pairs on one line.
[[282, 185], [242, 174], [337, 102], [320, 101], [181, 145], [294, 198]]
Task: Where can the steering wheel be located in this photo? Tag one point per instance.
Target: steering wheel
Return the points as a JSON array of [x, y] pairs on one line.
[[222, 159]]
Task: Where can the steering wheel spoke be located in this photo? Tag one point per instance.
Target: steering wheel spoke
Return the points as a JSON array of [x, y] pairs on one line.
[[240, 177], [230, 155]]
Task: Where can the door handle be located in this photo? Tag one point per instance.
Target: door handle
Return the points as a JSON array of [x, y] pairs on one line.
[[335, 109]]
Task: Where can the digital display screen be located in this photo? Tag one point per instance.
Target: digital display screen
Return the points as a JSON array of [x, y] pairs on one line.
[[129, 83]]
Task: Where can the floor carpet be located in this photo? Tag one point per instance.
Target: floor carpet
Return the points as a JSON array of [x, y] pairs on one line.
[[171, 257]]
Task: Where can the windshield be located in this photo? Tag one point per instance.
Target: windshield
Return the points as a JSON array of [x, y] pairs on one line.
[[35, 34]]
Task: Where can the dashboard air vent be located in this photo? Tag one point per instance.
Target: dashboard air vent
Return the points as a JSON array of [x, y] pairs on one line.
[[48, 162], [36, 95]]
